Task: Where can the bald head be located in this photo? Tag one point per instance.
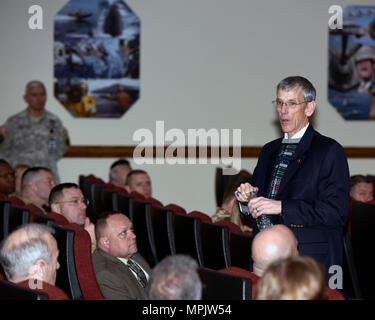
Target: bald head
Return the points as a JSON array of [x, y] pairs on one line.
[[271, 244]]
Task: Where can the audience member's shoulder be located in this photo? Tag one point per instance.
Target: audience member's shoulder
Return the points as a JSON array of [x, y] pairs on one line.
[[102, 260]]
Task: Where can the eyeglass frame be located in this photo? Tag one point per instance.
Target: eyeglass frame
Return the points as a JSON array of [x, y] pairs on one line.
[[76, 202], [288, 104]]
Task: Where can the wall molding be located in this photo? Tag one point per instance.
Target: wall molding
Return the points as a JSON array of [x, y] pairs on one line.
[[84, 151]]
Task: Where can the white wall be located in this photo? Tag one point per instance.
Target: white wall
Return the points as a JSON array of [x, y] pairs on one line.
[[204, 64]]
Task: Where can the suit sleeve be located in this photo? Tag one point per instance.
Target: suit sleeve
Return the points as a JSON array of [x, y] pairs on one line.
[[331, 204]]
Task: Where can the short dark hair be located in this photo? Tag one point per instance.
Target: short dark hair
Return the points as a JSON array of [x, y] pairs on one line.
[[120, 161], [132, 173], [358, 178], [3, 161], [289, 83], [57, 191]]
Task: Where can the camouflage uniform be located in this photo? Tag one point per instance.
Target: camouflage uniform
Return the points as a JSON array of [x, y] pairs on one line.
[[35, 142]]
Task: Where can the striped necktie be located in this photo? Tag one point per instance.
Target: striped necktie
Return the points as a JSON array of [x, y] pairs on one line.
[[141, 277]]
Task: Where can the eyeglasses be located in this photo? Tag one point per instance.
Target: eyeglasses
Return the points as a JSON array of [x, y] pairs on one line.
[[76, 202], [278, 104]]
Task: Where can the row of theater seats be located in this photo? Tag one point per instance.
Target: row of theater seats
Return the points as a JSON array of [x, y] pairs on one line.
[[221, 249], [76, 275], [167, 230], [160, 232]]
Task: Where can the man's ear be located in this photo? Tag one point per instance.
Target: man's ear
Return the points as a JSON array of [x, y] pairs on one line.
[[127, 188], [38, 270], [103, 243], [310, 108]]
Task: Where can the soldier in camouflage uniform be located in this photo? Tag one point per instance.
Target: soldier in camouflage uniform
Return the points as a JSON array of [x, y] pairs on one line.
[[35, 136]]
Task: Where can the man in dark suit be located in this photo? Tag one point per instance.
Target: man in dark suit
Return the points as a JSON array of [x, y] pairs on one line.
[[121, 272], [301, 180]]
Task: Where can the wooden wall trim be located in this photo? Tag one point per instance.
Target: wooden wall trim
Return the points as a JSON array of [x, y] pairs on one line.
[[246, 151]]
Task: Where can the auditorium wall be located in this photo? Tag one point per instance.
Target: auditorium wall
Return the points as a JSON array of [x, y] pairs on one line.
[[204, 64]]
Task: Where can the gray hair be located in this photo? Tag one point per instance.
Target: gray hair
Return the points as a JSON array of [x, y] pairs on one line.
[[289, 83], [175, 278], [17, 260]]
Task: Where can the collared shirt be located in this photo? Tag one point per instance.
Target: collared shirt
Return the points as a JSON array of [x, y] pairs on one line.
[[299, 134], [28, 201], [125, 261]]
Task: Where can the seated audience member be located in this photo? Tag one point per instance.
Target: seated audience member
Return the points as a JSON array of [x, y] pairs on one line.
[[19, 170], [224, 212], [175, 278], [67, 199], [37, 183], [361, 189], [229, 208], [29, 258], [121, 272], [118, 172], [293, 278], [274, 243], [139, 181], [7, 180]]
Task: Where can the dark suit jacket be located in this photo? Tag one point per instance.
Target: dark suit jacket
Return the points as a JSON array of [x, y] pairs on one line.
[[314, 193], [115, 280]]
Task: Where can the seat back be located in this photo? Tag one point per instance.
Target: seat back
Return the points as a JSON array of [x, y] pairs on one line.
[[240, 250], [43, 219], [32, 209], [202, 216], [17, 217], [236, 271], [11, 216], [140, 215], [363, 220], [67, 278], [223, 181], [221, 286], [175, 208], [154, 202], [123, 203], [58, 218], [83, 263], [85, 185], [4, 218], [162, 224], [187, 234], [11, 291], [96, 204], [231, 226], [108, 198], [215, 245]]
